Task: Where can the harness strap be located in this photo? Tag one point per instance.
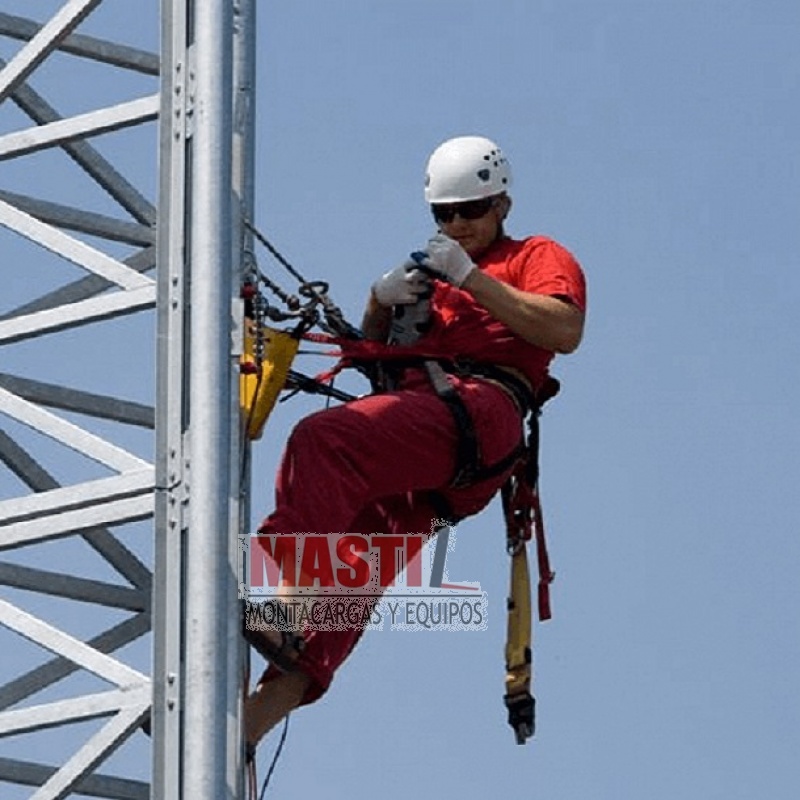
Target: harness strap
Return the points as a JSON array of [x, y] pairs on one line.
[[470, 468], [546, 574], [522, 511], [468, 456], [522, 394], [519, 670]]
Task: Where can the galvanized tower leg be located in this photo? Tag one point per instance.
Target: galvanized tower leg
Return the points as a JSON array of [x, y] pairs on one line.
[[189, 504], [197, 739], [198, 695]]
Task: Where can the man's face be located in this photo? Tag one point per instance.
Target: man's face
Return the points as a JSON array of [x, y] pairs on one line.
[[474, 235]]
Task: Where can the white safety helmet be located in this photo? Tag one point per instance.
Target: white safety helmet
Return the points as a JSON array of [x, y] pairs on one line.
[[466, 168]]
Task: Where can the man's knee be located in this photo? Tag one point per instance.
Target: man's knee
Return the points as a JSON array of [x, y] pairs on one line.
[[315, 432]]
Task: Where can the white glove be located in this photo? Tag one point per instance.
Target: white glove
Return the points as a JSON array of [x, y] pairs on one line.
[[448, 258], [401, 286]]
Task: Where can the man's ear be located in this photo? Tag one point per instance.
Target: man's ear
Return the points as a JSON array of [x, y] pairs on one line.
[[504, 206]]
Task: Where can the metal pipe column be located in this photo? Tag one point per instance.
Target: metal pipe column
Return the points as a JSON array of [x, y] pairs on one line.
[[243, 165], [205, 741]]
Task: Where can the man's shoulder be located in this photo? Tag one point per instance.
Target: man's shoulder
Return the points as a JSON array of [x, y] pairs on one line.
[[541, 243], [537, 249], [541, 265]]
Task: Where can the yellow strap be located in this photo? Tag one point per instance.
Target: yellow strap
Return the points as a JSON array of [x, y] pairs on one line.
[[259, 388], [518, 642], [518, 698]]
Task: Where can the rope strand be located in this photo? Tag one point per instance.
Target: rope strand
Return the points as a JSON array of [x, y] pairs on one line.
[[275, 758]]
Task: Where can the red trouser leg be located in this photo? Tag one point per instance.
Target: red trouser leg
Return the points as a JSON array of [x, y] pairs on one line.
[[325, 650], [366, 467]]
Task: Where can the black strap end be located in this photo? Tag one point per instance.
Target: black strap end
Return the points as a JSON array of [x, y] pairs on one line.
[[521, 714]]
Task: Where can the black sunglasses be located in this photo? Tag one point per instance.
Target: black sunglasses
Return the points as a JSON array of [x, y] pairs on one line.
[[469, 209]]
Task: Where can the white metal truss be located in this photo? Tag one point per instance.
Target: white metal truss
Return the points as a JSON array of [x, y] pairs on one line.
[[119, 515]]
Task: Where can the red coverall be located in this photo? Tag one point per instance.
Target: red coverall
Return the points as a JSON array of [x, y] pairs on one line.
[[367, 466]]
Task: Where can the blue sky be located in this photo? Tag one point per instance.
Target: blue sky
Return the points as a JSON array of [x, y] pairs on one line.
[[658, 142]]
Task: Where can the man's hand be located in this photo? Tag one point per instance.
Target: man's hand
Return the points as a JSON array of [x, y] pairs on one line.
[[401, 286], [448, 259]]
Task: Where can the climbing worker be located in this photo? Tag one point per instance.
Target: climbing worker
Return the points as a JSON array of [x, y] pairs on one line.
[[445, 433]]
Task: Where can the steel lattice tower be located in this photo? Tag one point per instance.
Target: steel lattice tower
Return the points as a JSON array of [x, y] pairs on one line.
[[119, 420]]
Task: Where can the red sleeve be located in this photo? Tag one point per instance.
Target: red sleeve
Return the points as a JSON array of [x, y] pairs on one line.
[[545, 267]]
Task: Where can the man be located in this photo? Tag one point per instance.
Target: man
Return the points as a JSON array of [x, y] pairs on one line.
[[395, 460]]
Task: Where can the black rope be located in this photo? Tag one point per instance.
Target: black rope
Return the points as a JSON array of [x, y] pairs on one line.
[[308, 315], [297, 382], [316, 291], [274, 252], [275, 758]]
